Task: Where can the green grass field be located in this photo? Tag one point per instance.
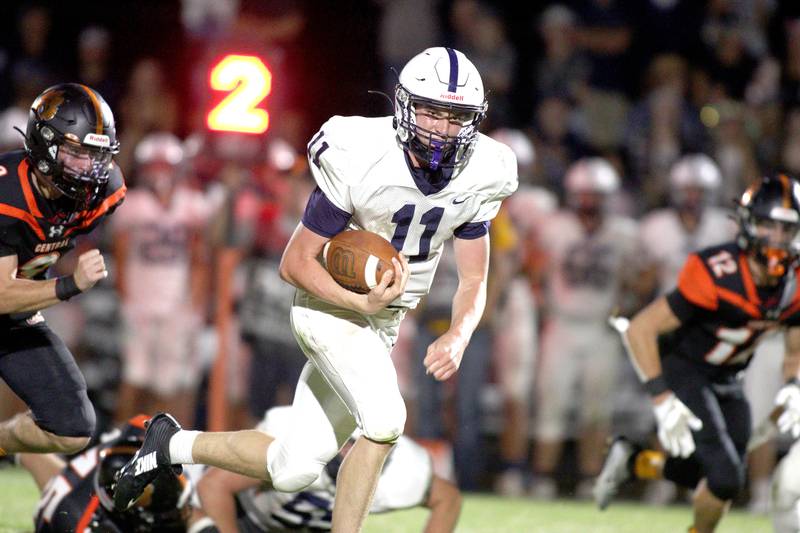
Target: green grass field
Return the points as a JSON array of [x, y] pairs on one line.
[[481, 514]]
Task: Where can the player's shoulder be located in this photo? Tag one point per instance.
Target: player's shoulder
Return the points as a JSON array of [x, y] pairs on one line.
[[11, 194], [116, 182], [348, 147], [355, 134], [493, 164], [729, 247], [11, 164]]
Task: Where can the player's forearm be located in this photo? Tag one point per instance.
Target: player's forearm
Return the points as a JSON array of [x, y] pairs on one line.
[[222, 510], [444, 502], [219, 505], [443, 517], [309, 275], [642, 345], [791, 365], [24, 295], [468, 305]]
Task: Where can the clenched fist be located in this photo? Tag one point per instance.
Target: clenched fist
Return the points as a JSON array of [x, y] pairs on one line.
[[91, 268]]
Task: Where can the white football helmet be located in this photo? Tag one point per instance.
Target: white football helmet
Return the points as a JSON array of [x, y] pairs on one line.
[[159, 147], [159, 158], [592, 174], [696, 171], [589, 184], [442, 78]]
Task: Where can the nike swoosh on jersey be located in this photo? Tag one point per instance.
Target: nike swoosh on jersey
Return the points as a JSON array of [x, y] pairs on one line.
[[461, 200]]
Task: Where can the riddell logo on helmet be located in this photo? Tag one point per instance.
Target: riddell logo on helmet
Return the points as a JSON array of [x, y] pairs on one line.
[[94, 139], [448, 96]]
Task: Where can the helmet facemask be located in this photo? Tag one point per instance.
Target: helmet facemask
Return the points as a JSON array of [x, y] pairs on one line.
[[435, 150], [774, 242]]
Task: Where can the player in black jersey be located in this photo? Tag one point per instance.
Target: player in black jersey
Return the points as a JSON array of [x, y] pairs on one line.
[[76, 495], [61, 186], [690, 346]]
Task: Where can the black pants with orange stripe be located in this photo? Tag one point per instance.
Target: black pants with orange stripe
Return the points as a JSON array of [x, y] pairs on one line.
[[40, 369], [721, 445]]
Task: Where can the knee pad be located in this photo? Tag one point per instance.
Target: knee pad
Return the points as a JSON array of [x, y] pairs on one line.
[[294, 476], [69, 417], [385, 422], [290, 471]]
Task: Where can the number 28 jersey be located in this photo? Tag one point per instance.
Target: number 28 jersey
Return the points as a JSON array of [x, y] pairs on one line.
[[723, 313], [363, 173]]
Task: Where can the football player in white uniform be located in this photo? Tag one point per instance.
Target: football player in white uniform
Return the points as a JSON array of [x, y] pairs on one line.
[[588, 251], [692, 222], [417, 178], [407, 480]]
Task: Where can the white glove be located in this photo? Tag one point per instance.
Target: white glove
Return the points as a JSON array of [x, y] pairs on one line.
[[675, 425], [789, 398]]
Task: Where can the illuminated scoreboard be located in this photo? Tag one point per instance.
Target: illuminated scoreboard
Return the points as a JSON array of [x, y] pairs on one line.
[[247, 82]]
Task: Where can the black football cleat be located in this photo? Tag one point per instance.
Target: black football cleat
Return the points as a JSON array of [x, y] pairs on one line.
[[151, 458], [615, 471]]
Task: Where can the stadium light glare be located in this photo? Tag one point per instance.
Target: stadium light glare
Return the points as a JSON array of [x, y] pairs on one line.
[[248, 81]]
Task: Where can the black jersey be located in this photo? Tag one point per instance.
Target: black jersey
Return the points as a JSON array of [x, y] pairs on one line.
[[69, 502], [34, 228], [723, 313]]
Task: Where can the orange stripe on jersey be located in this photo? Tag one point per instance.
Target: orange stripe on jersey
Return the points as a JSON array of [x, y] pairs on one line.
[[24, 216], [696, 285], [97, 109], [83, 523], [27, 190], [739, 301], [747, 280], [100, 210]]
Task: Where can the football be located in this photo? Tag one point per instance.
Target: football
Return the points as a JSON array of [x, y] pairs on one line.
[[357, 259]]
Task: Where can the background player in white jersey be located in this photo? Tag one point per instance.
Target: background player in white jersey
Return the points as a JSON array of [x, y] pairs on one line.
[[588, 249], [407, 480], [692, 221], [158, 246], [417, 178]]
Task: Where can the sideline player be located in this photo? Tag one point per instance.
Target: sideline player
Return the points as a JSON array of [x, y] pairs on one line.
[[407, 480], [589, 250], [61, 186], [417, 178], [727, 297]]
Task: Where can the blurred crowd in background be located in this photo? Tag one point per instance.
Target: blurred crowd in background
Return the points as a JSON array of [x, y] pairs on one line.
[[635, 125]]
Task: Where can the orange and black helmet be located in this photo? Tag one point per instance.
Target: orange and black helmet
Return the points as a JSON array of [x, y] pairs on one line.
[[769, 221], [73, 117]]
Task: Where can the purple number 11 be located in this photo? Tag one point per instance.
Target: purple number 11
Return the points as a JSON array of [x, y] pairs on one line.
[[403, 218]]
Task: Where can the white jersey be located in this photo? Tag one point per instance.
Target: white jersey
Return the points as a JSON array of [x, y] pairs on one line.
[[666, 242], [360, 166], [159, 245], [584, 272], [404, 482]]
